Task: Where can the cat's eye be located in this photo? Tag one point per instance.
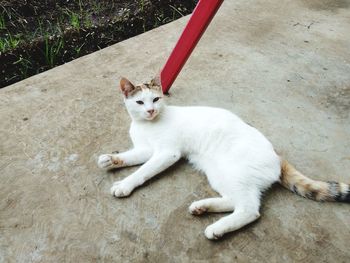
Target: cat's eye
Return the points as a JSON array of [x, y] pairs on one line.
[[139, 102], [156, 99]]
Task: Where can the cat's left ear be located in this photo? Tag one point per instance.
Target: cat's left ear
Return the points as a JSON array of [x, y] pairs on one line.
[[126, 86], [156, 82]]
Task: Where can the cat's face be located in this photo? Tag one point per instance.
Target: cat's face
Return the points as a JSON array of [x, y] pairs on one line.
[[143, 102]]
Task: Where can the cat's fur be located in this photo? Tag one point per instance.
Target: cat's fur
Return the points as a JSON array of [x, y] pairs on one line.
[[239, 161]]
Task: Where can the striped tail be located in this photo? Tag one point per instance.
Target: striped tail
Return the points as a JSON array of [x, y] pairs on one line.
[[298, 183]]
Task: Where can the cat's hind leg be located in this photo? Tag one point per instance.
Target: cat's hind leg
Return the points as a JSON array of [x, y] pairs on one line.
[[217, 204], [246, 211]]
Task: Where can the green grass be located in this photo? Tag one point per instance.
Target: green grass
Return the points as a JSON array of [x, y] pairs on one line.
[[142, 4], [59, 37], [52, 49], [177, 10], [24, 64], [8, 42], [97, 6], [78, 49], [2, 22], [88, 22], [74, 19], [2, 45], [12, 41], [52, 45], [161, 18], [79, 20]]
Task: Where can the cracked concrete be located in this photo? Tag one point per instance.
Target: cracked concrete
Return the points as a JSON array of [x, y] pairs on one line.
[[283, 66]]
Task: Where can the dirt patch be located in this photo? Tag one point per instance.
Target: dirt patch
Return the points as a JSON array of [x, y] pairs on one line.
[[330, 5], [38, 35], [339, 100]]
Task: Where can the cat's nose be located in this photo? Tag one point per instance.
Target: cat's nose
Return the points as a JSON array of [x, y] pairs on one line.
[[150, 111]]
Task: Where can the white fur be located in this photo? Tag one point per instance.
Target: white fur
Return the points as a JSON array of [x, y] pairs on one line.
[[239, 161]]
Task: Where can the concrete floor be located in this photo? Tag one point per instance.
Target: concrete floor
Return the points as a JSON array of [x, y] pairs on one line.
[[283, 66]]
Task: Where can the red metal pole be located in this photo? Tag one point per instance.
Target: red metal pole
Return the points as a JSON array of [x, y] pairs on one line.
[[199, 21]]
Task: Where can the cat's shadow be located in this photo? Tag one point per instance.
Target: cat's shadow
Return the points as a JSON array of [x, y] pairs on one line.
[[173, 170]]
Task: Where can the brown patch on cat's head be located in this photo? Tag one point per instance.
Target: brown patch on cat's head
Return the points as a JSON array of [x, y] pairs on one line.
[[130, 89], [156, 83]]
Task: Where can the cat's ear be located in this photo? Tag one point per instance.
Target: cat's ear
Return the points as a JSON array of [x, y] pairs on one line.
[[126, 86], [156, 81]]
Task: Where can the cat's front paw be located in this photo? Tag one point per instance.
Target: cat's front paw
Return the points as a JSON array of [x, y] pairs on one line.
[[108, 161], [213, 232], [121, 189], [197, 208]]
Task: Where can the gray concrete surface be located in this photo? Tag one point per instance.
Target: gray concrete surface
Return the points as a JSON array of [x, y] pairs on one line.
[[283, 66]]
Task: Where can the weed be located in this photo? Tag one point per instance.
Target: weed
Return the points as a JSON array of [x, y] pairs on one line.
[[161, 19], [52, 49], [144, 25], [88, 22], [2, 21], [177, 10], [2, 45], [78, 49], [142, 5], [80, 6], [97, 6], [52, 46], [24, 65], [40, 28], [12, 42], [8, 42], [74, 19], [142, 8], [55, 28]]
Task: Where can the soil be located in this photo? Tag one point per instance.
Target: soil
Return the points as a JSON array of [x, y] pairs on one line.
[[36, 35]]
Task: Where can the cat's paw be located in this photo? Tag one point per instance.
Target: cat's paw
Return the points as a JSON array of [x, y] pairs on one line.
[[121, 189], [213, 232], [197, 208], [107, 161]]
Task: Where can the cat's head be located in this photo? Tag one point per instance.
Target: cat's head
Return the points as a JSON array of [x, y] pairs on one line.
[[144, 101]]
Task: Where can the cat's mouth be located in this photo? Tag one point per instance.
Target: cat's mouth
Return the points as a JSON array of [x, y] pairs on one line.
[[152, 116]]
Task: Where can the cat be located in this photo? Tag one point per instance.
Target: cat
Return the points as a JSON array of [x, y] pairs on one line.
[[240, 163]]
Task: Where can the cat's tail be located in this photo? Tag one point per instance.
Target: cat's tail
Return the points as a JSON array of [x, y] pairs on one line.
[[298, 183]]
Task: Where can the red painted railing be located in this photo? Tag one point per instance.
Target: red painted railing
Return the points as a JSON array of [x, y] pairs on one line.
[[199, 21]]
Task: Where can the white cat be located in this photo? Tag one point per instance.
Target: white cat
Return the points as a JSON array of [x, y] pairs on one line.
[[239, 161]]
